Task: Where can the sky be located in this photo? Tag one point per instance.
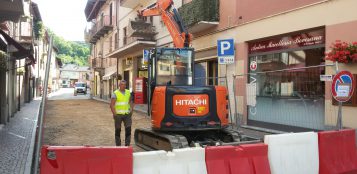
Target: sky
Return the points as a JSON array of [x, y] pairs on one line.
[[64, 17]]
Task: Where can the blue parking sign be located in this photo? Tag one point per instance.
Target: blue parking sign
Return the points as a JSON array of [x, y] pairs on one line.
[[225, 48], [225, 51]]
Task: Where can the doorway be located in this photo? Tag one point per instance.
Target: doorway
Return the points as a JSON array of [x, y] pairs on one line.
[[126, 78], [212, 72]]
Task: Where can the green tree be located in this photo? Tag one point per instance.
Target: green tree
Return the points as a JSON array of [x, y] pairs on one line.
[[71, 51]]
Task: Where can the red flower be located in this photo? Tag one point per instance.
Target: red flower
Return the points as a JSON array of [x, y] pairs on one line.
[[342, 52]]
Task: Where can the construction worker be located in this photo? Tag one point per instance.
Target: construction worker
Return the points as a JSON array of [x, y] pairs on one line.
[[122, 106]]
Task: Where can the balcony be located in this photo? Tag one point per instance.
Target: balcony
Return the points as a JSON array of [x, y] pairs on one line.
[[141, 28], [200, 15], [100, 28], [25, 36], [97, 64], [140, 36], [130, 3], [11, 10], [133, 44]]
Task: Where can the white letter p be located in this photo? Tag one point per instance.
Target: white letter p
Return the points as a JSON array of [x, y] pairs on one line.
[[225, 45]]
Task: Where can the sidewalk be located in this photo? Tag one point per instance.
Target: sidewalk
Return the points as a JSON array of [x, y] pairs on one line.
[[138, 107], [17, 140]]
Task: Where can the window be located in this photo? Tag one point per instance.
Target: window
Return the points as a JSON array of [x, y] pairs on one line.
[[297, 82], [175, 67], [124, 36]]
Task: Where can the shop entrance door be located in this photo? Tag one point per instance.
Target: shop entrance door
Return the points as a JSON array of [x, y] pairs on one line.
[[126, 78]]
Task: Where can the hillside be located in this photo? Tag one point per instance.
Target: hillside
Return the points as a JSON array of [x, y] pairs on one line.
[[75, 52]]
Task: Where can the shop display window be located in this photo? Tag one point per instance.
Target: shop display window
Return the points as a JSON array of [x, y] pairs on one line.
[[286, 76]]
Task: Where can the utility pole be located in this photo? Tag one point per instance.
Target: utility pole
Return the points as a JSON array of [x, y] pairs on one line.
[[43, 103]]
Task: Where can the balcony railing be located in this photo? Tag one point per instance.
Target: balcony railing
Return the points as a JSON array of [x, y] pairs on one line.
[[97, 64], [130, 3], [101, 27], [141, 28], [200, 15]]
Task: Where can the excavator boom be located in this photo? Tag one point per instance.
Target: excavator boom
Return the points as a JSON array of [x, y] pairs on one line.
[[171, 18]]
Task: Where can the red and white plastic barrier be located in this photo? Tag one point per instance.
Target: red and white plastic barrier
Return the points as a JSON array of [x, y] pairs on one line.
[[179, 161], [69, 159], [247, 159], [337, 152], [328, 152], [293, 153]]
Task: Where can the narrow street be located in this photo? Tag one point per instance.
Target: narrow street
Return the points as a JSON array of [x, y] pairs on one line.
[[77, 121]]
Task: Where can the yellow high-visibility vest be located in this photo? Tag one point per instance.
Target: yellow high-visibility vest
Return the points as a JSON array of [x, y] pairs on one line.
[[122, 105]]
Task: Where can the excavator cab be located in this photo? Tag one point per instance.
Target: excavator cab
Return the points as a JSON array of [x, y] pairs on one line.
[[174, 66], [175, 104]]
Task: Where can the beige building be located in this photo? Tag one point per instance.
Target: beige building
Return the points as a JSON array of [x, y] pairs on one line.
[[102, 35]]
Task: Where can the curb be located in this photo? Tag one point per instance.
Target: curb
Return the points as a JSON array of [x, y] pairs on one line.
[[28, 165]]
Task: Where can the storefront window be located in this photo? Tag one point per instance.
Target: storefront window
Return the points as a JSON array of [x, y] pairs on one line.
[[295, 79], [287, 92]]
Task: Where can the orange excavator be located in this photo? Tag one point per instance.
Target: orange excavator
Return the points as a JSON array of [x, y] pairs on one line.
[[182, 114]]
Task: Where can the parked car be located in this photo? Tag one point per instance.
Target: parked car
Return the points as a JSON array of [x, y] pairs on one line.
[[80, 87]]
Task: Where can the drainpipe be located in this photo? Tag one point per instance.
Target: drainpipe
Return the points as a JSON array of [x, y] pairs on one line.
[[19, 88], [117, 86]]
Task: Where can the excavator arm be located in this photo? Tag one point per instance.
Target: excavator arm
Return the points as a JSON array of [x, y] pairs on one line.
[[172, 20]]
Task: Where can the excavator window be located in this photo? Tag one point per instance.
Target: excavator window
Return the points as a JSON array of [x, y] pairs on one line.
[[174, 67]]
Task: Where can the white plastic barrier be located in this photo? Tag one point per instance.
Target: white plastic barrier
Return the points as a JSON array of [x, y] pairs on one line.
[[179, 161], [293, 153]]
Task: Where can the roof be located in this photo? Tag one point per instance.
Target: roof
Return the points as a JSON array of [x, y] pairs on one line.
[[92, 8], [36, 11]]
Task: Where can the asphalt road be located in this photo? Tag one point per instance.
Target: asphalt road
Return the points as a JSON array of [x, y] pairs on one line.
[[67, 94]]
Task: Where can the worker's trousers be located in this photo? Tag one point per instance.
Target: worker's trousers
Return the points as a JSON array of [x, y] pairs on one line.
[[118, 119]]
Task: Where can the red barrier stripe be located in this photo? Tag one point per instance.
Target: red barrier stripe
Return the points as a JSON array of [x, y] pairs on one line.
[[259, 155], [247, 159], [337, 152], [84, 160]]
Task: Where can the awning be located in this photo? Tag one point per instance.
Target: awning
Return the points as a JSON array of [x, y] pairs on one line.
[[22, 52], [109, 75]]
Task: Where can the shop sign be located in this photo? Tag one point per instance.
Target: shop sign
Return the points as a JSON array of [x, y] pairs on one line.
[[309, 38], [253, 65], [325, 78], [225, 51], [145, 60]]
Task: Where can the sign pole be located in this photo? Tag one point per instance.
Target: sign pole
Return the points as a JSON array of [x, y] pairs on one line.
[[339, 114]]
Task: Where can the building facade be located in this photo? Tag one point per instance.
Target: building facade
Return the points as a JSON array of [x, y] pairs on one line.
[[18, 60], [287, 35], [102, 35], [280, 48], [71, 73]]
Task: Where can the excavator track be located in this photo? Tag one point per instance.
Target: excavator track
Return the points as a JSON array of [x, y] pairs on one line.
[[152, 140], [155, 140]]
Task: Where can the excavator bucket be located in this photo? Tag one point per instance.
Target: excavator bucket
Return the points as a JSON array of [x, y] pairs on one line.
[[140, 28]]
